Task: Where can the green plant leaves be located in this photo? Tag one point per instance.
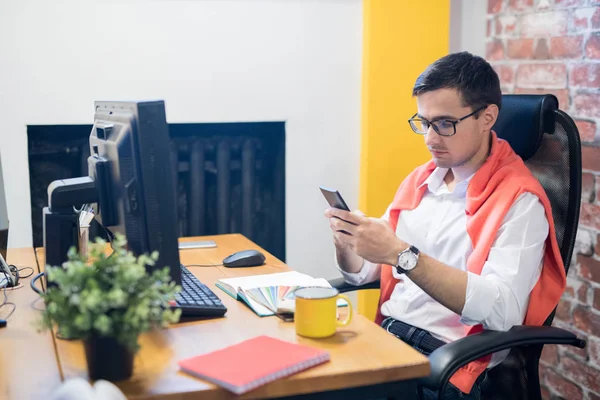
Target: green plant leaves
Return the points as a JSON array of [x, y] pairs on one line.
[[112, 295]]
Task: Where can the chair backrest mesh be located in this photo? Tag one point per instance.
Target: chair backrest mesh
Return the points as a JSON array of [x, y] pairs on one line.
[[557, 165]]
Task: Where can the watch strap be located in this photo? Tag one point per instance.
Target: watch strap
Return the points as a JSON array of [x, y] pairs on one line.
[[413, 250]]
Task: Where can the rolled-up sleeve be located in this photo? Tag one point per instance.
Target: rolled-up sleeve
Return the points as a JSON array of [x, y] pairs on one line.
[[499, 297], [368, 273]]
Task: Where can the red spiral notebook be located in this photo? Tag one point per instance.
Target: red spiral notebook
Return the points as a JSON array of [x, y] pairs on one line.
[[245, 366]]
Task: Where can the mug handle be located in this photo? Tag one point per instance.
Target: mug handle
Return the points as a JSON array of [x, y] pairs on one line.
[[350, 311]]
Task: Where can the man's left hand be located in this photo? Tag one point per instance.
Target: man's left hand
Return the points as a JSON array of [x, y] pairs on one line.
[[371, 238]]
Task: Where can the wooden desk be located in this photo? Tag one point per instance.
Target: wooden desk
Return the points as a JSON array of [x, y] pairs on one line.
[[28, 366], [362, 354]]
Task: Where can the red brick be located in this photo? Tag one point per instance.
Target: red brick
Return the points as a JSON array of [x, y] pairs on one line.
[[564, 387], [589, 268], [598, 199], [494, 6], [561, 94], [587, 187], [550, 354], [592, 396], [552, 23], [589, 216], [582, 293], [506, 74], [566, 47], [489, 28], [506, 24], [592, 46], [545, 393], [586, 320], [569, 292], [543, 370], [580, 19], [597, 301], [578, 353], [588, 105], [596, 19], [520, 48], [519, 5], [587, 130], [495, 50], [541, 51], [563, 311], [597, 250], [569, 3], [582, 374], [585, 75], [537, 76], [543, 5], [581, 354], [594, 347]]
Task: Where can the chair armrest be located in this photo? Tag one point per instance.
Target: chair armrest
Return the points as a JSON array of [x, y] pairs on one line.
[[343, 286], [449, 358]]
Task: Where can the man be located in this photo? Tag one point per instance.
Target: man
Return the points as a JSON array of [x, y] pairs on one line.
[[468, 242]]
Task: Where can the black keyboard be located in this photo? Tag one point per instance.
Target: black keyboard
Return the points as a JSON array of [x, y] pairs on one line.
[[196, 299]]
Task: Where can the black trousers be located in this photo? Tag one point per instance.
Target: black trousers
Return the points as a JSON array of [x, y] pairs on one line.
[[424, 342]]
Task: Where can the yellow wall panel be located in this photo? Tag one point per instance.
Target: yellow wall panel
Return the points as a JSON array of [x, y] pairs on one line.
[[401, 37]]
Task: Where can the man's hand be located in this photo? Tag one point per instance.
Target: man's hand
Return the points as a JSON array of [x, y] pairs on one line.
[[371, 238]]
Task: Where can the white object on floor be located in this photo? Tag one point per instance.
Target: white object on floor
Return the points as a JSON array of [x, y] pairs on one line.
[[80, 389]]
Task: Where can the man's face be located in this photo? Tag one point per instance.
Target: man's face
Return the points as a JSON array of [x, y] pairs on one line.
[[457, 150]]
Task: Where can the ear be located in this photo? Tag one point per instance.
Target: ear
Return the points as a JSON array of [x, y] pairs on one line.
[[488, 117]]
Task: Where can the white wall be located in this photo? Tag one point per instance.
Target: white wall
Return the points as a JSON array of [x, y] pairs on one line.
[[468, 26], [211, 61]]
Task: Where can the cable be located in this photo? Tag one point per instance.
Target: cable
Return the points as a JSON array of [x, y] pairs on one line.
[[16, 272], [204, 265], [7, 278], [32, 283], [21, 269], [8, 303]]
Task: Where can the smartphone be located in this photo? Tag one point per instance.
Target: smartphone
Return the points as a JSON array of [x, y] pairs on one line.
[[334, 198], [202, 244]]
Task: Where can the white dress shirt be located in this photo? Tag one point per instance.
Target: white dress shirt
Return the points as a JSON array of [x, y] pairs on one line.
[[498, 298]]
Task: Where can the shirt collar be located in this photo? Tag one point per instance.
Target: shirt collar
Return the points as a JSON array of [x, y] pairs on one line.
[[435, 182]]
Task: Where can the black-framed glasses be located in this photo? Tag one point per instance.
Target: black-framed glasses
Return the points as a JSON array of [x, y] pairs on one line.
[[443, 127]]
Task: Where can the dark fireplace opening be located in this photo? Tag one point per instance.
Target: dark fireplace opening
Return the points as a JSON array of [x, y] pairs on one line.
[[230, 177]]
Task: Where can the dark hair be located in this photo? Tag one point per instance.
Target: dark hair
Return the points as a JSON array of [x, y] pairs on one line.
[[472, 76]]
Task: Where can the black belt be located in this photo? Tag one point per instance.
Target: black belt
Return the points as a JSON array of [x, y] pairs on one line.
[[415, 337]]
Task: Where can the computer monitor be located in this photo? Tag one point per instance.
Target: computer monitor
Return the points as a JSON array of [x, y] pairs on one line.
[[3, 216], [130, 164], [6, 277]]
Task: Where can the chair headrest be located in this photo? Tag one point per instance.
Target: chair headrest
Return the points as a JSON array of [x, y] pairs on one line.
[[523, 120]]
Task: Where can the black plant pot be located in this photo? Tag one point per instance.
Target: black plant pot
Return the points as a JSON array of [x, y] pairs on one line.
[[108, 359]]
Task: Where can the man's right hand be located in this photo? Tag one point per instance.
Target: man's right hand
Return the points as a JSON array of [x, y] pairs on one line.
[[347, 259]]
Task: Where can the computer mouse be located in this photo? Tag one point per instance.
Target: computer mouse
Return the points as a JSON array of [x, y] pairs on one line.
[[244, 258]]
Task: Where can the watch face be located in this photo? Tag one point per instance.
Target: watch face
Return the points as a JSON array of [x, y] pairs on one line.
[[407, 260]]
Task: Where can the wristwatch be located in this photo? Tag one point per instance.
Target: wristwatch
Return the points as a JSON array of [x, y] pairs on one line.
[[407, 260]]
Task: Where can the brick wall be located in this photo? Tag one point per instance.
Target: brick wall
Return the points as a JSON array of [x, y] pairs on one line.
[[554, 46]]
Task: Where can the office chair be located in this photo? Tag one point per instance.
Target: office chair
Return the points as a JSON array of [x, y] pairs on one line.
[[547, 140]]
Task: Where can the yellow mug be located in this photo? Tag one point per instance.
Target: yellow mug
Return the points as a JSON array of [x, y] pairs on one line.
[[316, 311]]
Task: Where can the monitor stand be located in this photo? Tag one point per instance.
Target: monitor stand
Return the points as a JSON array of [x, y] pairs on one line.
[[61, 221]]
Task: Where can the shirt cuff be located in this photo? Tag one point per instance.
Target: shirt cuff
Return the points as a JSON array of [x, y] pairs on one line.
[[479, 300], [357, 278]]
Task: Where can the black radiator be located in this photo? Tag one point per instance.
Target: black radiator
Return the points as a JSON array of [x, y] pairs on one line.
[[229, 177]]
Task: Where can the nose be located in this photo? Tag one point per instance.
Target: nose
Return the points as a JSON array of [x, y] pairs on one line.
[[431, 137]]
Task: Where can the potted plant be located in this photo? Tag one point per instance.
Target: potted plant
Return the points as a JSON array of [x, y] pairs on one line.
[[107, 301]]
